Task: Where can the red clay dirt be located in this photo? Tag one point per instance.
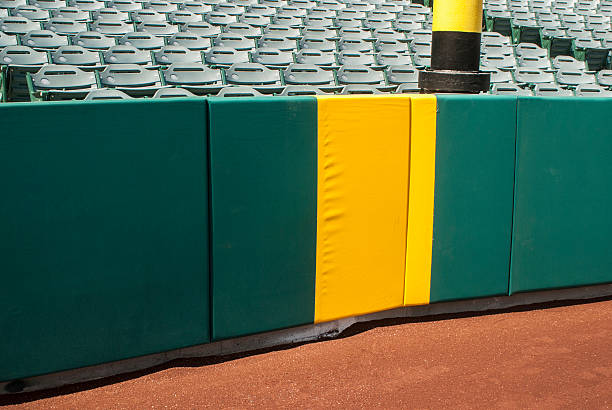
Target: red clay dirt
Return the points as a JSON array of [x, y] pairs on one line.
[[550, 358]]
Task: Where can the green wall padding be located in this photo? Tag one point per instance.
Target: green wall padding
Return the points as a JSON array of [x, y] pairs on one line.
[[263, 156], [562, 219], [475, 144], [104, 242]]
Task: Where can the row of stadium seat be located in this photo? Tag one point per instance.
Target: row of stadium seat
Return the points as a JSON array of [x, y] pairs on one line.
[[23, 82], [211, 39], [551, 89]]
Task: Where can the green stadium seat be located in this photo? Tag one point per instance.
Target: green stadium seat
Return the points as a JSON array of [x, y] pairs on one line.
[[18, 25], [318, 21], [271, 57], [500, 62], [147, 15], [7, 40], [217, 18], [499, 21], [408, 88], [353, 44], [172, 93], [360, 89], [358, 33], [496, 50], [254, 19], [112, 28], [243, 29], [406, 25], [317, 43], [106, 94], [497, 75], [255, 75], [294, 90], [356, 58], [108, 14], [60, 82], [11, 4], [133, 79], [89, 5], [239, 91], [591, 51], [388, 58], [530, 50], [234, 41], [534, 62], [17, 62], [43, 40], [551, 90], [281, 31], [142, 41], [32, 13], [394, 46], [197, 78], [604, 78], [77, 56], [526, 30], [557, 42], [191, 41], [183, 16], [592, 90], [93, 41], [568, 63], [123, 54], [398, 74], [269, 11], [228, 8], [360, 74], [509, 89], [176, 54], [125, 5], [276, 41], [316, 57], [494, 38], [574, 78], [201, 28], [285, 20], [157, 28], [309, 74], [422, 60], [64, 26], [225, 56], [385, 34], [530, 76]]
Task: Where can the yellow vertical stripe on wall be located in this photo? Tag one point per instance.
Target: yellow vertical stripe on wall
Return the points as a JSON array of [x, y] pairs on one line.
[[362, 204], [420, 200], [457, 15]]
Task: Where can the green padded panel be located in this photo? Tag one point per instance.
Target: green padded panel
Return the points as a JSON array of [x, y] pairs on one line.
[[104, 241], [475, 142], [562, 218], [263, 157]]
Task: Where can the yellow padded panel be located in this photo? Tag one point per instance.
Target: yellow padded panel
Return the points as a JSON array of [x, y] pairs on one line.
[[421, 200], [457, 15], [364, 144]]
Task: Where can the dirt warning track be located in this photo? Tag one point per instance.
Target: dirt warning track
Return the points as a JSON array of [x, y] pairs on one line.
[[550, 358]]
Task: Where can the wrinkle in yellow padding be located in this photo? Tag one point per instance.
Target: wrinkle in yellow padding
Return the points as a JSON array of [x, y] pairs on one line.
[[362, 204], [421, 200]]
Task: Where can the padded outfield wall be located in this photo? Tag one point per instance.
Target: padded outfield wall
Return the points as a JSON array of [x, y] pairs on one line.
[[138, 227]]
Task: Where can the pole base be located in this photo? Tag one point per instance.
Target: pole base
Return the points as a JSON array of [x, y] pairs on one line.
[[447, 81]]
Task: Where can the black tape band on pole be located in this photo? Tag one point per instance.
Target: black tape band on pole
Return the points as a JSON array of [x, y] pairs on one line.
[[455, 50]]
